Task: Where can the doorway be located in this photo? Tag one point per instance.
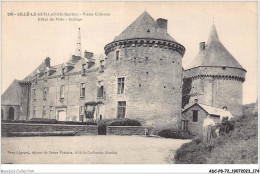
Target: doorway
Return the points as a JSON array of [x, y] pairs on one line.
[[11, 113], [62, 116]]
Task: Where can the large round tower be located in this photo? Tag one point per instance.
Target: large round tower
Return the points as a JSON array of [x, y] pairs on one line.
[[144, 74], [215, 77]]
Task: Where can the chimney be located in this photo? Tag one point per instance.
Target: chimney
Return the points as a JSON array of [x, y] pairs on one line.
[[162, 24], [202, 46], [196, 101], [88, 55], [47, 62], [225, 108]]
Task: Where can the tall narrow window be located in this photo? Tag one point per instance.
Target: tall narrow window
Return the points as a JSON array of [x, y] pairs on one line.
[[51, 112], [195, 116], [34, 111], [83, 69], [121, 108], [82, 90], [100, 88], [117, 55], [34, 94], [45, 91], [62, 72], [81, 113], [121, 85], [44, 112], [101, 91], [62, 91], [45, 75]]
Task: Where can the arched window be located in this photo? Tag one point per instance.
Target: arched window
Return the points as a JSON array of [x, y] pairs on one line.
[[11, 113]]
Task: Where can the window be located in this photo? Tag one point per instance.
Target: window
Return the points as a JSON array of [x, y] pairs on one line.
[[82, 90], [51, 112], [83, 69], [81, 113], [117, 55], [100, 88], [121, 109], [34, 111], [101, 91], [121, 85], [44, 111], [62, 72], [45, 91], [45, 76], [195, 116], [36, 78], [62, 91], [34, 94]]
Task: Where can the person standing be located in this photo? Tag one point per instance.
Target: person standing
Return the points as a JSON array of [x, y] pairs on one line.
[[207, 131]]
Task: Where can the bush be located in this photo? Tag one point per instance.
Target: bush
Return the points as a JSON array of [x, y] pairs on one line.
[[102, 125], [48, 121], [175, 133]]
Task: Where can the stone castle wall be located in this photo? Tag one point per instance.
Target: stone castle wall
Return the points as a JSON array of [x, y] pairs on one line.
[[153, 84], [217, 87]]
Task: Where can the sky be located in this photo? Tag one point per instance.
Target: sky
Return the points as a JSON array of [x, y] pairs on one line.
[[26, 41]]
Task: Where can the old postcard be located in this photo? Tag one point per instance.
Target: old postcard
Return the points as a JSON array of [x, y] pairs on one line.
[[129, 83]]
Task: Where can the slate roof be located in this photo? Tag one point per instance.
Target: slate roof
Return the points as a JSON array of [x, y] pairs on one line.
[[144, 27], [11, 95], [73, 62], [40, 68], [215, 54]]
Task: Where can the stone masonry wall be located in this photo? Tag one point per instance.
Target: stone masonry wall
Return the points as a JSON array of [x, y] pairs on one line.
[[153, 84], [126, 130], [217, 87], [71, 101], [24, 127]]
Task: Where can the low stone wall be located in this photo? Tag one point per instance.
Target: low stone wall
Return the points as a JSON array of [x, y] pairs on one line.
[[28, 127], [127, 130]]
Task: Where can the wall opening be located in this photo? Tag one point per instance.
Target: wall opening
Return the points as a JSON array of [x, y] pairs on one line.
[[2, 114], [11, 113]]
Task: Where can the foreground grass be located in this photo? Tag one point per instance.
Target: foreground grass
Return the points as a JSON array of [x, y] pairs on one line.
[[237, 147]]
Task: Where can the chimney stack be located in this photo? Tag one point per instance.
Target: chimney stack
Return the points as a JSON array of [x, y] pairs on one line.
[[48, 62], [202, 46], [162, 24]]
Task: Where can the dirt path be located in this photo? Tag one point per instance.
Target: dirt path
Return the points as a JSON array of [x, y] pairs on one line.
[[89, 150]]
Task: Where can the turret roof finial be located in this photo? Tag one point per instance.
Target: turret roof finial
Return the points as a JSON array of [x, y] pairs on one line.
[[78, 45]]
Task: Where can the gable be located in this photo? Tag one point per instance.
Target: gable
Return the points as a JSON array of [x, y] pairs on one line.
[[12, 94]]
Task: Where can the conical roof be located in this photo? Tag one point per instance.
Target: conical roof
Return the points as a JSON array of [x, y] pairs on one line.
[[215, 54], [144, 27]]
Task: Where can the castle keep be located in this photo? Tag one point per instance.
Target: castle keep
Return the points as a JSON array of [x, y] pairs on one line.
[[140, 76], [147, 61]]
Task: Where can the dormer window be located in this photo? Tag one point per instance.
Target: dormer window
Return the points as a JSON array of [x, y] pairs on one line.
[[84, 66], [62, 72], [45, 75], [102, 66]]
